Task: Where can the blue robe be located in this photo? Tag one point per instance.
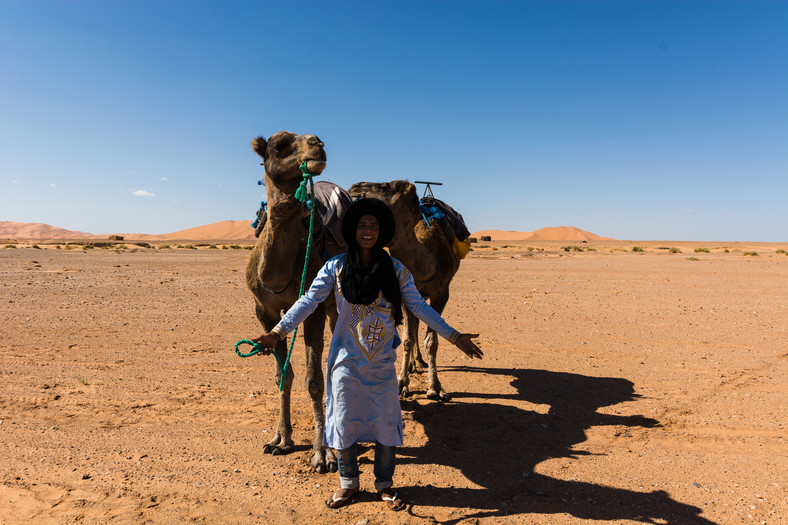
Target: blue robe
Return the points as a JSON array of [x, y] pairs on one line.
[[362, 392]]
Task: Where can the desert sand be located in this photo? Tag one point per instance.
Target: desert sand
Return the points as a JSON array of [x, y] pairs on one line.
[[617, 386]]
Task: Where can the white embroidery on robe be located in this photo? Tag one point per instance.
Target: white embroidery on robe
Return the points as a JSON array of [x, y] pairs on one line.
[[371, 333]]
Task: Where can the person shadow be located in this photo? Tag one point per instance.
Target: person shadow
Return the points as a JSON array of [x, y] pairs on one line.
[[497, 446]]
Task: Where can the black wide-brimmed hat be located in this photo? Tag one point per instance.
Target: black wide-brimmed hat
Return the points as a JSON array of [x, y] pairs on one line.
[[369, 206]]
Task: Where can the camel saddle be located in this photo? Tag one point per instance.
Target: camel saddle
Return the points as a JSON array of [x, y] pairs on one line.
[[436, 209], [331, 201]]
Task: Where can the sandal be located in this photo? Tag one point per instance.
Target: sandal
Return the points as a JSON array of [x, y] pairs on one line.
[[392, 500], [337, 502]]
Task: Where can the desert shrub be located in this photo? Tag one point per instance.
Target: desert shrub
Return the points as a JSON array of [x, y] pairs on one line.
[[224, 247], [637, 249], [212, 247], [692, 259], [35, 246], [530, 248], [675, 250], [10, 245], [235, 247], [187, 246], [782, 251], [702, 250], [87, 246], [590, 249], [751, 254], [143, 244], [164, 247]]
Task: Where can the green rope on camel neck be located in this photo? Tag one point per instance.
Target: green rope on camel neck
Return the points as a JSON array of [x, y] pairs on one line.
[[301, 195], [301, 192]]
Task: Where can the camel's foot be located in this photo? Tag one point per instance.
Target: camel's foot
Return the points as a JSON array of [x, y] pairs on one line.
[[279, 446], [277, 450], [404, 391], [324, 461], [438, 395]]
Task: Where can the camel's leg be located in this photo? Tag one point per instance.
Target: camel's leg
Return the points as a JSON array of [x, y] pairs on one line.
[[332, 313], [417, 362], [282, 442], [323, 458], [410, 329], [434, 389]]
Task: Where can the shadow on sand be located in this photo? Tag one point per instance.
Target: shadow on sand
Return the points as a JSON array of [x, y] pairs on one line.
[[497, 447]]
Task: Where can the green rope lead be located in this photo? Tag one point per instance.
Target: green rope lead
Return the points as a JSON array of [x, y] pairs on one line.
[[301, 194], [256, 349]]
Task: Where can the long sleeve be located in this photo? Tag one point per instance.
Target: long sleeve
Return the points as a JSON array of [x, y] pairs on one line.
[[416, 304], [301, 309]]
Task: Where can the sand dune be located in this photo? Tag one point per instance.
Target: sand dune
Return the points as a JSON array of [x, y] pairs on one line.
[[37, 230], [230, 230], [559, 233], [241, 230], [226, 230]]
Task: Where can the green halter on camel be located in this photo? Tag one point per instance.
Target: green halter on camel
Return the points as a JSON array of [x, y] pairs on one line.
[[300, 194]]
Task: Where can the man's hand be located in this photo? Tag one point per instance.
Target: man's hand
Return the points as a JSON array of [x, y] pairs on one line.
[[465, 344], [268, 342]]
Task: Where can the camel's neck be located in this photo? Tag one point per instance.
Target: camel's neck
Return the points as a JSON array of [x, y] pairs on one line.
[[414, 245], [281, 237]]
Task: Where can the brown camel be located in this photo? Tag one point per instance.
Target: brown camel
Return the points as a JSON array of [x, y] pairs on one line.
[[427, 252], [273, 274]]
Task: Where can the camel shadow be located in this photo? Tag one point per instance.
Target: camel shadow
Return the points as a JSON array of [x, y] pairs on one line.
[[497, 447]]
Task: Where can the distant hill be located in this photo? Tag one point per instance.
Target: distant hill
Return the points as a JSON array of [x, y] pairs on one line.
[[558, 233], [223, 230], [227, 230], [37, 230], [241, 231]]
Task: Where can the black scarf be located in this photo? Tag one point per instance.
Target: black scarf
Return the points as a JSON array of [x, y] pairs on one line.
[[362, 285]]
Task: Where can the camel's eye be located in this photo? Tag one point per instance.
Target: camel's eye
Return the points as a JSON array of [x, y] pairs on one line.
[[282, 148]]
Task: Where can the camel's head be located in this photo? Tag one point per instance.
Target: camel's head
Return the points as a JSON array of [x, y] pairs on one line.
[[398, 194], [284, 152], [401, 197]]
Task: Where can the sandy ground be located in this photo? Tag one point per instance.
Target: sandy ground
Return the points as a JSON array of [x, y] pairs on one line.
[[617, 386]]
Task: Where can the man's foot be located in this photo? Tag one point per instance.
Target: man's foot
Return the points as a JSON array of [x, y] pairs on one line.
[[391, 499], [340, 498]]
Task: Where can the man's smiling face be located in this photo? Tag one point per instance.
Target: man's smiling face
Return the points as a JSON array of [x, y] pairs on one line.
[[367, 231]]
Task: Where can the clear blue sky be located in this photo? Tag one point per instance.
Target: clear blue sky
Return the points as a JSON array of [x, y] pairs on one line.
[[636, 120]]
